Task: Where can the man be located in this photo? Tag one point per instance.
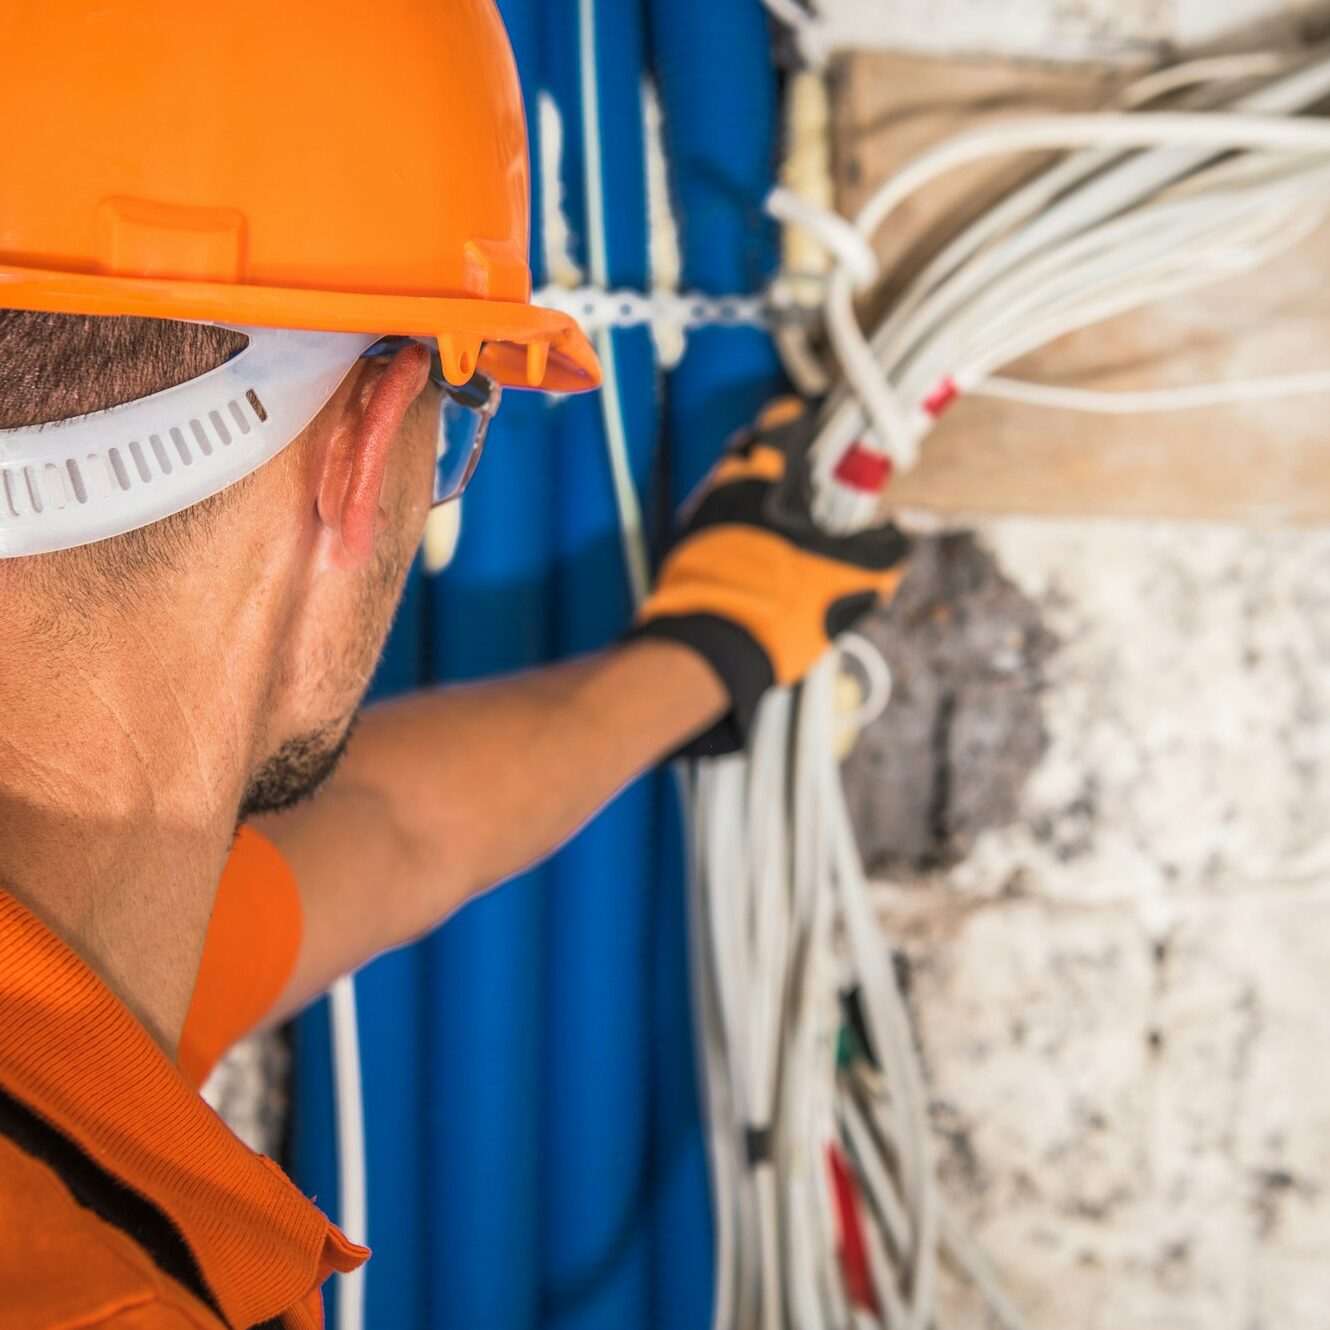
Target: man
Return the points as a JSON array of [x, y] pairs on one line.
[[207, 522]]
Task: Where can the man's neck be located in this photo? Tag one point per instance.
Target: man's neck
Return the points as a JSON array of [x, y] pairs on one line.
[[118, 794]]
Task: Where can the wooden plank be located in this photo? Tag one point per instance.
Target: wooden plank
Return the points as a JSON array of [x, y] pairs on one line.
[[1266, 463]]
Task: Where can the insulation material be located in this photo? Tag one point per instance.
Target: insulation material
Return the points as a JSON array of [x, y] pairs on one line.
[[1120, 989], [1065, 30]]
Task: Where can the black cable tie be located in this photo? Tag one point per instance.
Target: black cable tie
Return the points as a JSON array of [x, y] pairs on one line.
[[853, 1008], [759, 1143]]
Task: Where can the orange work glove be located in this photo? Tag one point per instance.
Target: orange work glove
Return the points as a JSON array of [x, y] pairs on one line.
[[752, 584]]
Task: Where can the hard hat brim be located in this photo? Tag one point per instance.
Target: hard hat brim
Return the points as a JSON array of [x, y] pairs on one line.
[[524, 346]]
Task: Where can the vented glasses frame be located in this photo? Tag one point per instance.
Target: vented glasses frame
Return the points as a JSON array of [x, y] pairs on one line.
[[465, 413]]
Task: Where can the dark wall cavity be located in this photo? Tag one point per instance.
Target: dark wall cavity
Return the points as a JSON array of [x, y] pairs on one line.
[[949, 757]]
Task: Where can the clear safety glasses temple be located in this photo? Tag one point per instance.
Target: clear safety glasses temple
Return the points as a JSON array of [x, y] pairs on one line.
[[465, 413]]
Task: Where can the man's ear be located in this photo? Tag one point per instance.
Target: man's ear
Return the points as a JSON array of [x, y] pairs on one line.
[[357, 453]]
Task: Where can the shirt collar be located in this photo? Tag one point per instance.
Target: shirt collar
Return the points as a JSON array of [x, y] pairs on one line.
[[72, 1052]]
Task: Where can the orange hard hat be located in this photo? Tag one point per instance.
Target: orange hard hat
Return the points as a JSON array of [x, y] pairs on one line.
[[304, 164]]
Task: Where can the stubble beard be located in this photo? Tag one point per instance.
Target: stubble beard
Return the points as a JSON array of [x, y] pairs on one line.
[[296, 771]]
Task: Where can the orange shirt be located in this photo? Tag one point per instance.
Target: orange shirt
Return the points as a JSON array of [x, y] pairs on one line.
[[102, 1136]]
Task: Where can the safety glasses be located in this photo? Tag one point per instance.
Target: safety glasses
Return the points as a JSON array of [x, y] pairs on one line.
[[465, 413]]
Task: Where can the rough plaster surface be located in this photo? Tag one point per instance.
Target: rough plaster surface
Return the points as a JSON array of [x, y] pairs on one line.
[[1123, 993], [950, 756]]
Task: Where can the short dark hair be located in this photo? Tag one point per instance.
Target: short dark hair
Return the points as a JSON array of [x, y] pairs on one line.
[[56, 366]]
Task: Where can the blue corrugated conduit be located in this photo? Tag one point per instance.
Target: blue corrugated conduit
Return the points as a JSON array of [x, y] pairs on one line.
[[485, 968], [596, 1110], [717, 87]]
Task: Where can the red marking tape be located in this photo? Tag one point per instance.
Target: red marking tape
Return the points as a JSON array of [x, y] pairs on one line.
[[863, 470], [854, 1248], [941, 397]]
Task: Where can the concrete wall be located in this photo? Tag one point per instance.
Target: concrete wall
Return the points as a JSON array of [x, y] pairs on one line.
[[1115, 903]]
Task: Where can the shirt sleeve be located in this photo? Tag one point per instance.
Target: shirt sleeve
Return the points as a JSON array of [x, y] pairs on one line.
[[248, 956]]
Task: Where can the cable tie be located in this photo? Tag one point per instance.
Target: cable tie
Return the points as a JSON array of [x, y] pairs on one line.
[[759, 1144]]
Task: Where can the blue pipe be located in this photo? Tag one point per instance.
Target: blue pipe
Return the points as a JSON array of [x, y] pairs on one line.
[[485, 967], [595, 1110], [721, 167]]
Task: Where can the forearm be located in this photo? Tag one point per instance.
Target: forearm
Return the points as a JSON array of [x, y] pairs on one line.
[[488, 778], [446, 792]]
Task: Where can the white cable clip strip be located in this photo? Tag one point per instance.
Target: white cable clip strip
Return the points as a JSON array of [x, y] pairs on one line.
[[597, 308]]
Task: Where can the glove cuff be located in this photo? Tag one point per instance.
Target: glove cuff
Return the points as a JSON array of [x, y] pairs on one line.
[[743, 666]]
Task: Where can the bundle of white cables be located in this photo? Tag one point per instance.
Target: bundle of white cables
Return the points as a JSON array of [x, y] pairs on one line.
[[1144, 205], [828, 1212]]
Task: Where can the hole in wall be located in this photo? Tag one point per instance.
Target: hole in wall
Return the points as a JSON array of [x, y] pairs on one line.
[[949, 757]]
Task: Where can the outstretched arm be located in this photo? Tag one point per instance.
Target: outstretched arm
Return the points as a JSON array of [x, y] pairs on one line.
[[447, 792]]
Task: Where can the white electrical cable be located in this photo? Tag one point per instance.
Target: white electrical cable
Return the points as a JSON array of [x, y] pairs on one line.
[[891, 418], [824, 945], [839, 236], [632, 528], [1125, 184], [1221, 131], [1087, 187], [1117, 402], [877, 674], [1214, 69], [352, 1185]]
